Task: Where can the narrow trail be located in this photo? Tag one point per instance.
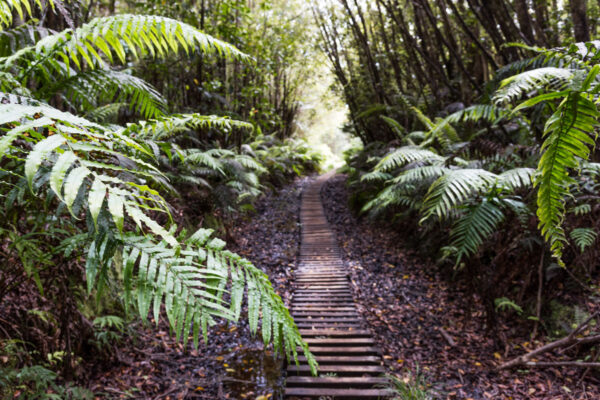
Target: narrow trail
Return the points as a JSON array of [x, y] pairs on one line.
[[349, 363]]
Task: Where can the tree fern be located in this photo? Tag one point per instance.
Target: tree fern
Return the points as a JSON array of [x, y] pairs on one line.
[[568, 135]]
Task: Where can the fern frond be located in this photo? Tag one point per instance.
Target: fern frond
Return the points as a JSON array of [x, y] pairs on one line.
[[567, 140], [453, 188], [373, 109], [10, 86], [583, 237], [79, 155], [375, 176], [88, 89], [582, 209], [405, 155], [526, 82], [21, 36], [517, 178], [479, 222], [168, 126], [76, 159], [577, 54], [504, 303], [395, 125], [391, 196], [205, 158], [122, 36], [21, 7], [425, 120], [414, 138], [590, 168], [191, 285], [475, 113], [420, 174], [248, 162], [105, 114]]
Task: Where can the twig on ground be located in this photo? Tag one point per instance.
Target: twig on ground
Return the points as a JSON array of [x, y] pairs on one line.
[[567, 342], [446, 336]]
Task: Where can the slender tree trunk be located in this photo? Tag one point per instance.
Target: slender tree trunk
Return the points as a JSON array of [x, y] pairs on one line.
[[580, 20]]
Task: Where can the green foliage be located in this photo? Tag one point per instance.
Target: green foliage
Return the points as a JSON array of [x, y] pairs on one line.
[[106, 183], [188, 277], [504, 303], [406, 155], [39, 383], [479, 222], [22, 8], [453, 188], [413, 386], [568, 135], [72, 64], [583, 237]]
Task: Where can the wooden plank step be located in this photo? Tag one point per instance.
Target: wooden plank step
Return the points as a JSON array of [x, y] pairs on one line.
[[323, 309], [349, 369], [327, 320], [347, 382], [344, 360], [334, 298], [322, 281], [326, 304], [337, 394], [339, 341], [334, 350], [322, 291], [316, 314], [304, 325], [334, 332]]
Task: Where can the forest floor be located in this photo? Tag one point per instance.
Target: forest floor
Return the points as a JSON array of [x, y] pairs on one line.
[[422, 322]]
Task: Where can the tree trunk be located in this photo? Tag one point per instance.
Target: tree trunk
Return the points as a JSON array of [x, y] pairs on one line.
[[580, 20]]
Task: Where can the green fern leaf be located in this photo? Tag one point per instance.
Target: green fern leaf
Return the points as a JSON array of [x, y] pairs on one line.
[[479, 222], [567, 140], [516, 86], [453, 188], [39, 152], [583, 237], [406, 155]]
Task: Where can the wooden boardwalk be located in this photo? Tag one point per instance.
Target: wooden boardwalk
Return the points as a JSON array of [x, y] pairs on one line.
[[323, 308]]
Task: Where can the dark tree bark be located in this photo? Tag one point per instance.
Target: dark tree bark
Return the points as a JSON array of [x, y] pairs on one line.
[[580, 20], [525, 23]]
